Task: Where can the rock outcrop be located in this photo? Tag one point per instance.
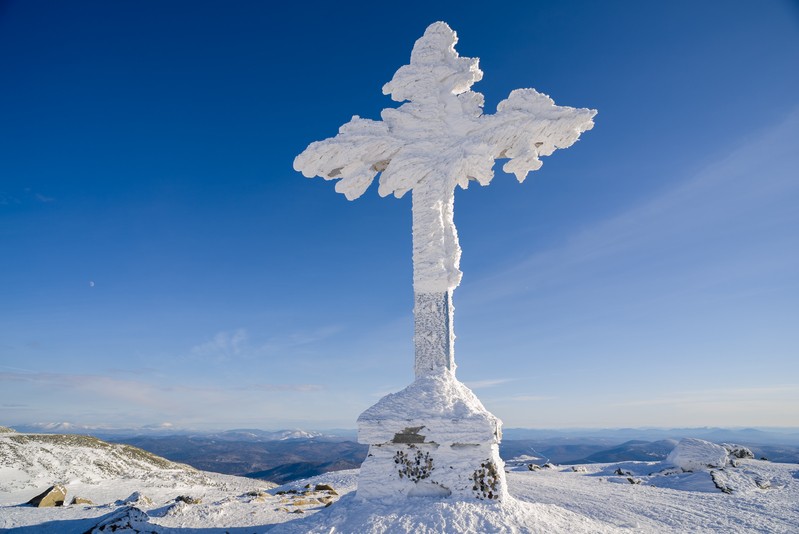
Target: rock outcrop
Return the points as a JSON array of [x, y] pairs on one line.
[[52, 496]]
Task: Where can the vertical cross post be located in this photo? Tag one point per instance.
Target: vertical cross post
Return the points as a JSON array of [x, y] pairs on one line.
[[434, 438]]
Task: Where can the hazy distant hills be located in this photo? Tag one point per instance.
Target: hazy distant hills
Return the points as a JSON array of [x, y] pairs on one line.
[[277, 460], [285, 455], [763, 436]]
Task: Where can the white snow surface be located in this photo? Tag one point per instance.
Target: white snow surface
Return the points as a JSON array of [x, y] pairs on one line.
[[648, 497], [438, 139], [693, 454], [447, 409]]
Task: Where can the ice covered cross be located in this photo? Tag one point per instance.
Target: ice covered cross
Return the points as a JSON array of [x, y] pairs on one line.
[[438, 139]]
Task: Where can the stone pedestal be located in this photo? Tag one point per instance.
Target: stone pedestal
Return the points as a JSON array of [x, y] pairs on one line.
[[434, 439]]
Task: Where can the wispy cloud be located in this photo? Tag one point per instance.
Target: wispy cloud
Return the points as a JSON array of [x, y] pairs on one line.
[[7, 199], [488, 383], [532, 398], [284, 387], [42, 198], [223, 346], [237, 344], [295, 339], [699, 209], [144, 393]]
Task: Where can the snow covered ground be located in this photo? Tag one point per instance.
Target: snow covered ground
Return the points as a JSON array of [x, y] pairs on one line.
[[745, 495]]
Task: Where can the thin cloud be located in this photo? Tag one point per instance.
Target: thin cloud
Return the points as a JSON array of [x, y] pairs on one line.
[[301, 388], [532, 398], [293, 340], [42, 198], [228, 345], [7, 199], [223, 346], [141, 392], [716, 197], [488, 383]]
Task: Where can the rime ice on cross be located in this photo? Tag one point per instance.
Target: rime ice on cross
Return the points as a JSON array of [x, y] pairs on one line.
[[438, 139]]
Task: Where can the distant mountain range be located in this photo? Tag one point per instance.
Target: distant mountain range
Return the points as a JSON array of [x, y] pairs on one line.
[[245, 434], [284, 455], [252, 455], [763, 436]]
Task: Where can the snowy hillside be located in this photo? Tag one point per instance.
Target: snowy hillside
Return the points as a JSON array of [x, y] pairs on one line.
[[701, 487], [36, 461]]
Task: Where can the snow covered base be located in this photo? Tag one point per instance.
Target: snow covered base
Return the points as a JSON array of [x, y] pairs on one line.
[[432, 439], [424, 516]]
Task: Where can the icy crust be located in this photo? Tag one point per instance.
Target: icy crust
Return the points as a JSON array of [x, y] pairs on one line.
[[692, 454], [438, 139], [446, 410], [433, 339]]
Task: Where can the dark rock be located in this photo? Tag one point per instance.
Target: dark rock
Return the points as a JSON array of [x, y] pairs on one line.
[[326, 487], [52, 496], [738, 451]]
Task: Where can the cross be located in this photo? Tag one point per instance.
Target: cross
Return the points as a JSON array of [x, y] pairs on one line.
[[436, 140]]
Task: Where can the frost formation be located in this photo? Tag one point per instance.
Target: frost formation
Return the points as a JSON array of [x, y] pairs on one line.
[[435, 438], [437, 139]]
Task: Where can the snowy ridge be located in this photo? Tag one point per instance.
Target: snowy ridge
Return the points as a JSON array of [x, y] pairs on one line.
[[661, 498], [40, 460]]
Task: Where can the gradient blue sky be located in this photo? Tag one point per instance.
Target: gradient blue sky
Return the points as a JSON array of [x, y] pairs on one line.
[[161, 262]]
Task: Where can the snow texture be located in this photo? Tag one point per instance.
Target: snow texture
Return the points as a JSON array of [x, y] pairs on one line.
[[434, 338], [433, 439], [692, 454], [593, 498], [448, 410], [437, 139]]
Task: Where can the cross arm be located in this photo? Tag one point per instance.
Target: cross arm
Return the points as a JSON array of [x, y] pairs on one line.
[[361, 149], [528, 125]]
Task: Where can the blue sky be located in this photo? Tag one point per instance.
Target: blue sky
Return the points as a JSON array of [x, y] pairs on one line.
[[163, 263]]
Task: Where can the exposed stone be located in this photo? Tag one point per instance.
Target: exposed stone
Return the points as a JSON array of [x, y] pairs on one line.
[[138, 499], [52, 496], [326, 487], [738, 451], [188, 499], [720, 482], [80, 500], [409, 435], [129, 519], [304, 502]]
